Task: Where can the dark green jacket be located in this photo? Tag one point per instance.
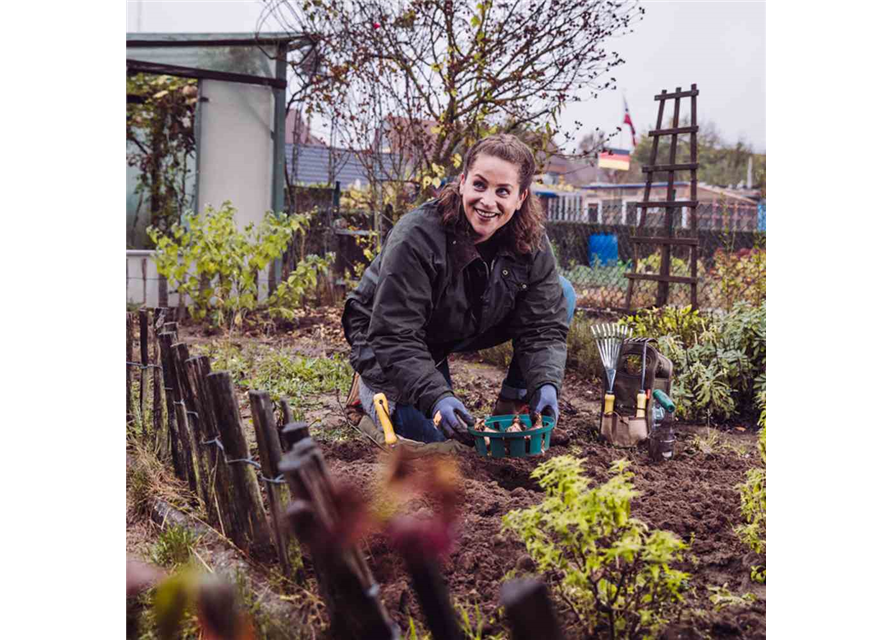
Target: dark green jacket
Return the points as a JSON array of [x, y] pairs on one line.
[[412, 308]]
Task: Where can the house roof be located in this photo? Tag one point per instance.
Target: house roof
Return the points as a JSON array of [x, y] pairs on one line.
[[575, 172], [313, 164]]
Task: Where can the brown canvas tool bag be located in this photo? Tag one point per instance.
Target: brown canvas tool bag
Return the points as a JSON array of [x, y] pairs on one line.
[[621, 428]]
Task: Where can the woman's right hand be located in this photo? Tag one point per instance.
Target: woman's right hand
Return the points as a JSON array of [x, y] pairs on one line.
[[452, 416]]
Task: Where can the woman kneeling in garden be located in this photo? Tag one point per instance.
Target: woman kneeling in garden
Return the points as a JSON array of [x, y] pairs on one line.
[[468, 271]]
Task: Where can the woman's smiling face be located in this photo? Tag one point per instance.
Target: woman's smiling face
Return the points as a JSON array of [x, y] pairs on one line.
[[491, 194]]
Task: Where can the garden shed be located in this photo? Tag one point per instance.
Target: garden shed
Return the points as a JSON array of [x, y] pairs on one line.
[[236, 139]]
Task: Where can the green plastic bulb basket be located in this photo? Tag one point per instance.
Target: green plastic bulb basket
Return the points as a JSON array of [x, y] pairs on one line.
[[521, 444]]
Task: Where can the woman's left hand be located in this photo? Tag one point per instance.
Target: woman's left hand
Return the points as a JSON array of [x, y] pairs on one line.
[[545, 400]]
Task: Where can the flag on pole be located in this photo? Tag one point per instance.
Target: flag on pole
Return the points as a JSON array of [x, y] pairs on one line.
[[614, 159], [627, 119]]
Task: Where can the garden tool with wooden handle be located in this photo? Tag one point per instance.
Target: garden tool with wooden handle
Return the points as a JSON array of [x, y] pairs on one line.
[[380, 402], [609, 339], [642, 397]]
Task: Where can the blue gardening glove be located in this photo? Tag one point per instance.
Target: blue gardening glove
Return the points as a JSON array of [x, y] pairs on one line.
[[452, 415], [545, 401]]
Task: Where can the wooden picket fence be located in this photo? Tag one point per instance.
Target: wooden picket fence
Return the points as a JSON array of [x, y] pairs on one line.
[[197, 426]]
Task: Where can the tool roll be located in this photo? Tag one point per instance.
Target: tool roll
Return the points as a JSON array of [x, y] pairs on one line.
[[621, 427]]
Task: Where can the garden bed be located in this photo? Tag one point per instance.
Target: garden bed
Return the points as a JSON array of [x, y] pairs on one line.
[[693, 495]]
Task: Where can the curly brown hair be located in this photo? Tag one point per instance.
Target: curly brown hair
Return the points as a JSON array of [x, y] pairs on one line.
[[526, 226]]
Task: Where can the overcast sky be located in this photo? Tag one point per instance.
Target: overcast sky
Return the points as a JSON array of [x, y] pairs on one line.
[[720, 46]]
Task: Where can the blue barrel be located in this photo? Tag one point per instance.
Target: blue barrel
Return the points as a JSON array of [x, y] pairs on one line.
[[602, 249]]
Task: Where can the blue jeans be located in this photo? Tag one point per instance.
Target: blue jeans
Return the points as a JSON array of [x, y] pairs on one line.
[[411, 423]]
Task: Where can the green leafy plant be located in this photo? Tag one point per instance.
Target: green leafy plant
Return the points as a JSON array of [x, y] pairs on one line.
[[211, 260], [721, 597], [684, 323], [293, 291], [753, 508], [415, 632], [282, 373], [582, 349], [613, 573], [719, 361]]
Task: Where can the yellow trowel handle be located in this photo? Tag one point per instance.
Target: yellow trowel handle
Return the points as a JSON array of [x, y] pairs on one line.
[[641, 403], [384, 417]]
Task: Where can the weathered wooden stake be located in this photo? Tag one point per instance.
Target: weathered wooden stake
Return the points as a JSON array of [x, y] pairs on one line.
[[294, 432], [285, 412], [270, 455], [434, 597], [171, 327], [161, 441], [250, 525], [144, 371], [220, 485], [285, 417], [165, 340], [182, 418], [181, 355], [529, 610], [351, 594], [129, 404], [353, 608]]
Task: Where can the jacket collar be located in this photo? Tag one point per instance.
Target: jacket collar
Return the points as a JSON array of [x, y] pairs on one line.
[[461, 250]]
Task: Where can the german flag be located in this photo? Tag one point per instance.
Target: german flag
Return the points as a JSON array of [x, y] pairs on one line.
[[614, 159]]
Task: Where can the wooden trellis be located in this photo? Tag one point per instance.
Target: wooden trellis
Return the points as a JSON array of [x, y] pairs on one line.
[[670, 205]]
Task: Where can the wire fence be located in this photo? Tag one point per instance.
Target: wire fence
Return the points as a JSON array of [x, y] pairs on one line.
[[595, 251], [594, 247], [597, 256]]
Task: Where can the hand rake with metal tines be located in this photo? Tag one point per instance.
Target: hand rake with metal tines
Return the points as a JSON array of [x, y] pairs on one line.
[[609, 338]]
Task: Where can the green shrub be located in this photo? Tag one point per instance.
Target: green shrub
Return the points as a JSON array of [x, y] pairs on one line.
[[582, 349], [741, 276], [753, 508], [292, 292], [611, 570], [498, 356], [217, 265], [719, 361], [683, 322]]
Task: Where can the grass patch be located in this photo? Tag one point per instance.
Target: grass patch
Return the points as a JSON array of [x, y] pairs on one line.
[[266, 625], [226, 355], [281, 373], [290, 375], [174, 547], [582, 350], [713, 443], [148, 478]]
